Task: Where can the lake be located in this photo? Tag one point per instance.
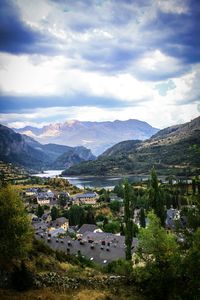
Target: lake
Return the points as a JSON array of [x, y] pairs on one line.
[[92, 182]]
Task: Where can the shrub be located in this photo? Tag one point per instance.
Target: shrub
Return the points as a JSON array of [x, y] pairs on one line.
[[120, 267], [22, 277]]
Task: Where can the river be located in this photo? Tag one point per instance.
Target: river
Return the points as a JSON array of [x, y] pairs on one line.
[[92, 182]]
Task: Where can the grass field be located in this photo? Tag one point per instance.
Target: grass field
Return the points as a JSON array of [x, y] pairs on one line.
[[80, 294]]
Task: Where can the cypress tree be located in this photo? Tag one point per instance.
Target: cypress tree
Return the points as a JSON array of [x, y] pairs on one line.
[[128, 213], [156, 197], [142, 218]]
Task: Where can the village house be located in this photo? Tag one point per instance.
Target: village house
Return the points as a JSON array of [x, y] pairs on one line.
[[57, 232], [46, 198], [88, 227], [46, 218], [86, 198], [31, 192], [42, 200], [60, 223]]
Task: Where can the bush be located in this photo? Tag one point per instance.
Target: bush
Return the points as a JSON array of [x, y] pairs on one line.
[[22, 277], [120, 267], [47, 263], [113, 227]]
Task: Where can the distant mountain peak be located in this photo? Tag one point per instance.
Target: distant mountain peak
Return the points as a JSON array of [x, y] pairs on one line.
[[71, 122], [98, 136]]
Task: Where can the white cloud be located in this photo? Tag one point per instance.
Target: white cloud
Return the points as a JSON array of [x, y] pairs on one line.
[[86, 40], [155, 64], [173, 6], [22, 75], [157, 113]]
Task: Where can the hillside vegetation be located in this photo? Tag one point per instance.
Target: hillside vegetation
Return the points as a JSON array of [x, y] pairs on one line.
[[24, 151], [171, 150]]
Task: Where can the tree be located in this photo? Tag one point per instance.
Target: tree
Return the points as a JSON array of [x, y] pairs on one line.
[[63, 198], [76, 215], [129, 199], [159, 257], [115, 206], [119, 190], [54, 213], [193, 186], [15, 229], [142, 218], [113, 227], [90, 218], [156, 197], [191, 270], [40, 211], [2, 179], [104, 195]]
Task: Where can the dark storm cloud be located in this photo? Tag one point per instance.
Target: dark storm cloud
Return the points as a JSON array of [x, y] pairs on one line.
[[181, 34], [12, 104], [15, 36]]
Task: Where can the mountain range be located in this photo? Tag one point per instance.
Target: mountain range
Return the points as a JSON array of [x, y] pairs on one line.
[[171, 150], [97, 136], [25, 151]]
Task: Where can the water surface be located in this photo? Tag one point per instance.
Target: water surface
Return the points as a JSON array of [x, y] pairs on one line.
[[92, 182]]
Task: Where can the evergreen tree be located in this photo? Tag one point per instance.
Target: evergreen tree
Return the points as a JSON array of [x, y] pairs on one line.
[[193, 186], [54, 213], [15, 229], [76, 215], [40, 211], [156, 197], [90, 219], [129, 199], [142, 218]]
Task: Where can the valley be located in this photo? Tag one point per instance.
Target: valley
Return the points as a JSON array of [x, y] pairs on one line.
[[99, 150]]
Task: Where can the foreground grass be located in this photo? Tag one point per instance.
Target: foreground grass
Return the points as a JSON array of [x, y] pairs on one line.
[[80, 294]]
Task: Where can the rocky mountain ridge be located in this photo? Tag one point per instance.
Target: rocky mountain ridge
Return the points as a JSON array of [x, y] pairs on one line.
[[97, 136]]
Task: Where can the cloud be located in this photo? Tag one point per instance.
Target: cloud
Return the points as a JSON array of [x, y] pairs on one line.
[[158, 114], [173, 6], [54, 77], [16, 36], [114, 59]]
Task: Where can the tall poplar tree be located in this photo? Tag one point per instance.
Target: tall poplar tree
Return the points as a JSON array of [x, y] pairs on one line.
[[129, 198], [156, 197]]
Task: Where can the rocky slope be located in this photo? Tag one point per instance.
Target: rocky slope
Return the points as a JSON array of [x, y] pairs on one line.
[[25, 151], [97, 136], [171, 150]]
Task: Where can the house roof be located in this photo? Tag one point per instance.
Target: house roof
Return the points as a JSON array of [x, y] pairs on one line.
[[87, 195], [87, 227], [98, 253], [57, 231], [60, 221]]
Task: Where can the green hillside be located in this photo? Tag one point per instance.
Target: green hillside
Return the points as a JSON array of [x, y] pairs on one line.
[[171, 150]]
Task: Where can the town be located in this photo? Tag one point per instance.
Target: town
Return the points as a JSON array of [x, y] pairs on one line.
[[89, 222]]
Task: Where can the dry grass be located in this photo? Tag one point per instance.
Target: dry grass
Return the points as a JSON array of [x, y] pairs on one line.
[[81, 294], [48, 294]]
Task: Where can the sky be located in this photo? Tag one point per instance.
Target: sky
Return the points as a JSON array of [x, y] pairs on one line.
[[99, 60]]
